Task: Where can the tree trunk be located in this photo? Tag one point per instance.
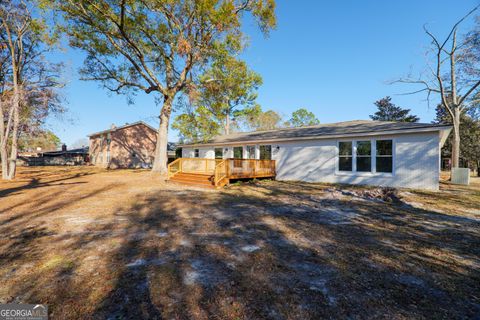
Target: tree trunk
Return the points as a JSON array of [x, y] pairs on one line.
[[478, 168], [227, 124], [161, 158], [456, 138], [4, 159], [3, 145], [12, 168]]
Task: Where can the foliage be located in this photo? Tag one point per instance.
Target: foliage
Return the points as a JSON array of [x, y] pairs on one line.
[[228, 90], [46, 140], [387, 111], [469, 136], [258, 120], [196, 125], [29, 84], [301, 118], [159, 46]]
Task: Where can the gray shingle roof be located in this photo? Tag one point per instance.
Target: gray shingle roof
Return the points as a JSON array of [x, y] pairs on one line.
[[324, 130], [122, 127]]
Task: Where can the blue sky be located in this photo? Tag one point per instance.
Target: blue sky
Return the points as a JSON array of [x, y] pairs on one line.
[[332, 57]]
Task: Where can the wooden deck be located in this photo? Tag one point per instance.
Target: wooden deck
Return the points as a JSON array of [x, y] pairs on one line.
[[218, 172]]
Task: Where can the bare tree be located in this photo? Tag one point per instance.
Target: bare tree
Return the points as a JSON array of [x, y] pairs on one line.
[[27, 82], [451, 76], [15, 21]]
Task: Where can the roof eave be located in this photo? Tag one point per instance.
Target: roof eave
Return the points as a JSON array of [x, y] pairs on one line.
[[122, 127], [323, 137]]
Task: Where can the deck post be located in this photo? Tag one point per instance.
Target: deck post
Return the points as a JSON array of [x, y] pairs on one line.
[[227, 168]]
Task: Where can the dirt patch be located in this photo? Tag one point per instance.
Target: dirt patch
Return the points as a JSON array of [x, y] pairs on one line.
[[121, 244]]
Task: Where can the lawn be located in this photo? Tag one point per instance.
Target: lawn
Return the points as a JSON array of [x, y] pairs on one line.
[[122, 244]]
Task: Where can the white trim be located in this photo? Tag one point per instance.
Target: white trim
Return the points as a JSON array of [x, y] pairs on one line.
[[373, 159]]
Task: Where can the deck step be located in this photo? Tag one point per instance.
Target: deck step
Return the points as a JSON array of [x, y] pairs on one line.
[[199, 180]]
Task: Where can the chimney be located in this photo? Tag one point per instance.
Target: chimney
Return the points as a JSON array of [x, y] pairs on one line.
[[113, 126], [64, 147]]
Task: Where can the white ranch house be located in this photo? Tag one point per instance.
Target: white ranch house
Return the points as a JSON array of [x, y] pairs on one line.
[[378, 153]]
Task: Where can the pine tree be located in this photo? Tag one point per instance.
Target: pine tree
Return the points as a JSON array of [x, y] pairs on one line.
[[387, 111]]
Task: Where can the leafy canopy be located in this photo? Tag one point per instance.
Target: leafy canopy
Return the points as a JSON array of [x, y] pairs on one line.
[[301, 118], [228, 86], [155, 45]]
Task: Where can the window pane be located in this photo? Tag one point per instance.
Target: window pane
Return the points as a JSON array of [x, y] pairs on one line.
[[364, 164], [238, 152], [178, 153], [266, 152], [251, 152], [218, 153], [384, 164], [384, 147], [364, 148], [197, 153], [345, 164], [345, 148]]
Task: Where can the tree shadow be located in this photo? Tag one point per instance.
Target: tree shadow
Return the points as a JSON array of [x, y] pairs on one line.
[[271, 251], [37, 182]]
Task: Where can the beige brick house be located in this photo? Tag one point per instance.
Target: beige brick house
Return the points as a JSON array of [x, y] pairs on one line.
[[128, 146]]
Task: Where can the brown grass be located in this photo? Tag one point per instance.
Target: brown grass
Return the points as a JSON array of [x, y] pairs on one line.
[[96, 244]]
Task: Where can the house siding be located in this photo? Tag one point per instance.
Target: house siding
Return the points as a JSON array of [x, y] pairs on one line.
[[130, 147], [416, 161]]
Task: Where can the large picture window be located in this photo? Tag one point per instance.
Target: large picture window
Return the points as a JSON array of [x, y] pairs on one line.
[[384, 158], [237, 152], [218, 153], [345, 156], [266, 152], [364, 156], [369, 156]]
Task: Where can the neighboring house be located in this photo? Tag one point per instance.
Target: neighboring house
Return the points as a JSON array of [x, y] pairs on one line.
[[378, 153], [128, 146], [64, 157]]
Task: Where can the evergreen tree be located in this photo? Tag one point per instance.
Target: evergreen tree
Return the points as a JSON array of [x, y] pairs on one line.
[[387, 111]]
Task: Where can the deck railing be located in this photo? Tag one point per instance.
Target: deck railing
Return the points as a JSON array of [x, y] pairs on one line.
[[174, 167], [223, 168], [220, 172]]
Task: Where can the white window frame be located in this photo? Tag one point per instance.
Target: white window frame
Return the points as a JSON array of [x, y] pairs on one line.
[[373, 155]]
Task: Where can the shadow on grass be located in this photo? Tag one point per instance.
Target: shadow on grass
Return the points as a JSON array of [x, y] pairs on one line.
[[275, 253], [36, 182]]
